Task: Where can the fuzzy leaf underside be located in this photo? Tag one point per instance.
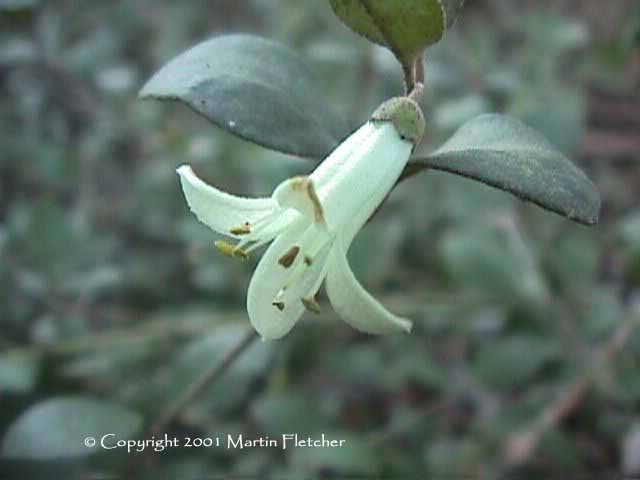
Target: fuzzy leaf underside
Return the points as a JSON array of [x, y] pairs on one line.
[[254, 88], [505, 153]]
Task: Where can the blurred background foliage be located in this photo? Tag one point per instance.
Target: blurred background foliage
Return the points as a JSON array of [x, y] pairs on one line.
[[524, 359]]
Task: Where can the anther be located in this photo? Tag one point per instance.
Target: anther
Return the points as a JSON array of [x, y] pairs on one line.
[[306, 185], [240, 253], [231, 250], [242, 229], [278, 304], [308, 261], [288, 258], [317, 206]]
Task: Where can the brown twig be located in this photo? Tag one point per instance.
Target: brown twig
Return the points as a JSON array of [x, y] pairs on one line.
[[522, 445], [419, 68], [208, 378]]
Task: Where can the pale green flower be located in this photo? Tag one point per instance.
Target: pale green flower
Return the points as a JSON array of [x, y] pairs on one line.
[[312, 221]]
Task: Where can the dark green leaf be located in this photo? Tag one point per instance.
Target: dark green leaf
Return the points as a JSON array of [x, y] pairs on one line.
[[502, 364], [506, 154], [253, 88], [407, 27], [57, 428], [14, 5], [355, 457], [493, 258], [453, 457], [292, 411]]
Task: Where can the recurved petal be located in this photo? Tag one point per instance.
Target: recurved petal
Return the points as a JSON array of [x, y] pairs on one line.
[[218, 210], [283, 262], [299, 193], [354, 304]]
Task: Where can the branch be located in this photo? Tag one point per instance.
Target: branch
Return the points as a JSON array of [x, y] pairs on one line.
[[208, 378], [116, 337], [522, 445]]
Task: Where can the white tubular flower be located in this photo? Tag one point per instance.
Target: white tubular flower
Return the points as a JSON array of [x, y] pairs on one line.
[[312, 221]]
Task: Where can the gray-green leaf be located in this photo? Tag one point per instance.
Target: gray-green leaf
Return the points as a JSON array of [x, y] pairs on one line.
[[57, 428], [507, 154], [15, 5], [19, 372], [254, 88]]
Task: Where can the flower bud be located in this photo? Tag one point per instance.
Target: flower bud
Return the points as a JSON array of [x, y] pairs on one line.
[[406, 116]]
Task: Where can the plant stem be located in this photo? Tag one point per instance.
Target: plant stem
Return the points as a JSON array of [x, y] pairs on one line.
[[208, 378], [144, 332], [522, 445], [419, 69], [408, 65]]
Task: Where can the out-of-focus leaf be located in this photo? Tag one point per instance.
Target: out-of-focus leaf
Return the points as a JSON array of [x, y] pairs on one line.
[[631, 452], [494, 259], [603, 314], [558, 113], [360, 363], [355, 457], [253, 88], [234, 385], [506, 154], [556, 34], [453, 458], [10, 5], [57, 428], [289, 412], [16, 50], [628, 236], [628, 232], [513, 361], [18, 372], [412, 369], [454, 112]]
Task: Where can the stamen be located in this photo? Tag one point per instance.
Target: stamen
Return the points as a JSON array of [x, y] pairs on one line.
[[317, 206], [262, 222], [288, 258], [294, 277], [256, 238], [239, 253], [242, 229], [306, 184], [313, 248], [312, 305], [231, 250]]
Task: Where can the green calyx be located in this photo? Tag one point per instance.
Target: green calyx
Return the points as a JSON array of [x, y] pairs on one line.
[[406, 115]]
